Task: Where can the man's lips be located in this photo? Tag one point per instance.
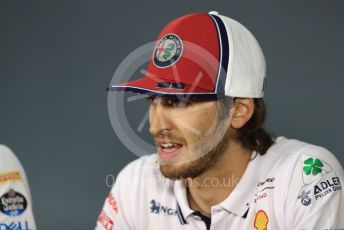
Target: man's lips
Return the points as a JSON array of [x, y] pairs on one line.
[[168, 148], [169, 153], [160, 141]]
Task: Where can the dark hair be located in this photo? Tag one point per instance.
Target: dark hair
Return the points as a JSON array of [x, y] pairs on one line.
[[252, 135]]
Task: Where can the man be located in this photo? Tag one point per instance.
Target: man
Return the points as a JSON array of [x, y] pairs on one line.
[[15, 197], [216, 167]]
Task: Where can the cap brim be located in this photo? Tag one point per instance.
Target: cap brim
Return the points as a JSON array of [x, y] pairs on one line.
[[149, 86]]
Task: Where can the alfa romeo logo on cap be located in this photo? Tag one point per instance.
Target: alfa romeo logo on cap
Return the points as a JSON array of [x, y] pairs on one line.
[[167, 51]]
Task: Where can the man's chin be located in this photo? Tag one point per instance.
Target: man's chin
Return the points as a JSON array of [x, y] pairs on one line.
[[180, 170], [171, 172], [171, 168]]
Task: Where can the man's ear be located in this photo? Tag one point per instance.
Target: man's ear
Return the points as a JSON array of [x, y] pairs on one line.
[[242, 111]]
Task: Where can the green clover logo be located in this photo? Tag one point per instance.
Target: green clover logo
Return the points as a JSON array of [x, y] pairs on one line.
[[312, 166]]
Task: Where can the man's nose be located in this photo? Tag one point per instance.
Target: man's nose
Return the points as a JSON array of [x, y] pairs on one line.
[[159, 119]]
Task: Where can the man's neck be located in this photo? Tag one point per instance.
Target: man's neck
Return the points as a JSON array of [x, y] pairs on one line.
[[217, 183]]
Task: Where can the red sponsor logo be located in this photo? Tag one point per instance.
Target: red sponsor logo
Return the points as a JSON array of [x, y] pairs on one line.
[[260, 196], [113, 203], [105, 221]]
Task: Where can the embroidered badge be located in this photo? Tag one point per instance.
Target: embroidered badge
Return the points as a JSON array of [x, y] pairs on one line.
[[167, 51]]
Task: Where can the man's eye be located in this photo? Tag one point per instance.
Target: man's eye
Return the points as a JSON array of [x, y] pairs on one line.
[[178, 103], [150, 99]]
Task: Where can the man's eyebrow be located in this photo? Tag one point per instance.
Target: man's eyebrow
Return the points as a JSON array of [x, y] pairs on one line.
[[150, 97]]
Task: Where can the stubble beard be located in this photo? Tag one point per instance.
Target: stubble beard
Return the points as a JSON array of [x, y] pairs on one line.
[[210, 149]]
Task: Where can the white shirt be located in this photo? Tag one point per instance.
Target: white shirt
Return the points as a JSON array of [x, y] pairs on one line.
[[295, 185], [15, 197]]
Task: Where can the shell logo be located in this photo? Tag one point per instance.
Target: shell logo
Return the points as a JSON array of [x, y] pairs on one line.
[[261, 220]]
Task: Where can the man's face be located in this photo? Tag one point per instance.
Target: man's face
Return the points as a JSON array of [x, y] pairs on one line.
[[190, 137]]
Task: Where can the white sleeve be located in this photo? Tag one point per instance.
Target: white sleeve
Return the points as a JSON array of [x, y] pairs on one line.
[[316, 197], [116, 210], [15, 196]]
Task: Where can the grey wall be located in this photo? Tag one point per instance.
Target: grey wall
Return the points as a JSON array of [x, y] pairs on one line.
[[57, 57]]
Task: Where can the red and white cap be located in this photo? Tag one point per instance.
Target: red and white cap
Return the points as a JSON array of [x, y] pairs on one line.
[[203, 55]]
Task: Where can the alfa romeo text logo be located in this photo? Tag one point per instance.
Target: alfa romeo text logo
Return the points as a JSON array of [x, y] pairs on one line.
[[167, 51]]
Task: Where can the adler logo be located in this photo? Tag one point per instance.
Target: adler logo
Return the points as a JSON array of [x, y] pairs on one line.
[[326, 187], [157, 208], [167, 51]]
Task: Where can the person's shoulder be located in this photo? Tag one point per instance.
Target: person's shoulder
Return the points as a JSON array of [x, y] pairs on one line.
[[141, 172], [290, 151], [143, 166], [302, 164], [14, 181], [140, 180], [5, 152], [308, 180], [7, 158]]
